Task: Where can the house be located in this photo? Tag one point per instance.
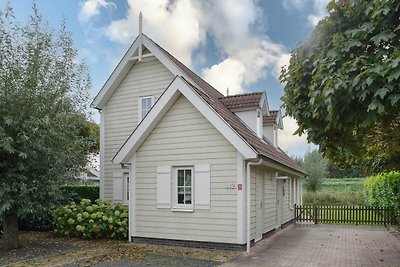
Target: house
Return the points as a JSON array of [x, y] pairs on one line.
[[192, 164], [91, 174]]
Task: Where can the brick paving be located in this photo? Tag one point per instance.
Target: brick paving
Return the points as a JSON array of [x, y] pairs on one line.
[[324, 245]]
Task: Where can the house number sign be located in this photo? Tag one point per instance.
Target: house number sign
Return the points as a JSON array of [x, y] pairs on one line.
[[231, 186]]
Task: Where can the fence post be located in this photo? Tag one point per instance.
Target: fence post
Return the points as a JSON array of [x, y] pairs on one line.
[[315, 214], [295, 214]]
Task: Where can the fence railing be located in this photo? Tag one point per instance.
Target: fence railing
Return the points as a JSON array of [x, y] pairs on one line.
[[343, 214]]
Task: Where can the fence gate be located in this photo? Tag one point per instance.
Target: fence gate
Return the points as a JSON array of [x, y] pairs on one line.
[[343, 215]]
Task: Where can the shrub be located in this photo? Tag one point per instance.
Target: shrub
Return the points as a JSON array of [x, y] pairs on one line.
[[74, 193], [384, 190], [93, 221], [40, 219]]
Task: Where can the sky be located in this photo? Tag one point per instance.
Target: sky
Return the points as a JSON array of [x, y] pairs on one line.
[[235, 44]]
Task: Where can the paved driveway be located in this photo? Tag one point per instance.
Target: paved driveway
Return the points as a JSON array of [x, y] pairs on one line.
[[324, 245]]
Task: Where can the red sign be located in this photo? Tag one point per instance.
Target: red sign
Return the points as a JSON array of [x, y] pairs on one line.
[[240, 186]]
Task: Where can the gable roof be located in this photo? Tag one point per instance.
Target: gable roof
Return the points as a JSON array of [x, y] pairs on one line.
[[271, 119], [275, 117], [247, 101], [205, 91]]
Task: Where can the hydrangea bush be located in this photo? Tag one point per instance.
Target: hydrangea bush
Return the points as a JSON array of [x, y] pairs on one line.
[[92, 220]]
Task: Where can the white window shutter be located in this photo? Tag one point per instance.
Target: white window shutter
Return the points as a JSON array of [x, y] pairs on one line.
[[117, 187], [164, 187], [202, 184]]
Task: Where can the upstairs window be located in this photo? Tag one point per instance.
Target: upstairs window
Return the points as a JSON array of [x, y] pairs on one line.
[[145, 104]]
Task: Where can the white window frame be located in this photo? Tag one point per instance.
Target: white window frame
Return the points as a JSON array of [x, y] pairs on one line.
[[182, 207], [125, 188], [140, 113]]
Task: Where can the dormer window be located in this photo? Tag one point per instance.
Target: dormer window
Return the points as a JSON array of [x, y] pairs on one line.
[[145, 104]]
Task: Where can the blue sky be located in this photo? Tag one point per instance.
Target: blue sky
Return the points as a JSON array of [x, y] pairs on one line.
[[240, 44]]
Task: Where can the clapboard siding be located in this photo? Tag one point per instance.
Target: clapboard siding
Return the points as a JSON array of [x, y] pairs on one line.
[[148, 77], [270, 202], [287, 212], [185, 137]]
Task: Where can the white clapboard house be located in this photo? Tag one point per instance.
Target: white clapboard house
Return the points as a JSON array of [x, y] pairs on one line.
[[192, 164]]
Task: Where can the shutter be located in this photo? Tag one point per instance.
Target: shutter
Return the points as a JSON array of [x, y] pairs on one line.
[[202, 186], [117, 187], [164, 187]]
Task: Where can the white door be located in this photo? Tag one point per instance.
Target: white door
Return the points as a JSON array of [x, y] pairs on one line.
[[259, 206], [279, 200]]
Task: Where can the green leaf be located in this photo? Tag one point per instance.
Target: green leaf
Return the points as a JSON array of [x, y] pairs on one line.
[[383, 36], [394, 75], [394, 99], [369, 81], [382, 92]]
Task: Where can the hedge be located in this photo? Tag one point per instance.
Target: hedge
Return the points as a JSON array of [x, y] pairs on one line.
[[384, 190], [42, 219], [74, 193]]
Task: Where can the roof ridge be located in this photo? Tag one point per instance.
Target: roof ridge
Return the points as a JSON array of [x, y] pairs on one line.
[[244, 94]]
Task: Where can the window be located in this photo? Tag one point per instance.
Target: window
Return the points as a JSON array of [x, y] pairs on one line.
[[183, 187], [126, 188], [145, 104]]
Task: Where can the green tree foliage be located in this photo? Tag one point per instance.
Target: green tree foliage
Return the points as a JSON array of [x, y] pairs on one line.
[[384, 190], [343, 87], [316, 166], [43, 95]]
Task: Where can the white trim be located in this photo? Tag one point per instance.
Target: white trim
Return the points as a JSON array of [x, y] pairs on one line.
[[116, 77], [176, 206], [167, 99], [125, 187], [143, 56], [241, 238], [102, 149], [132, 198]]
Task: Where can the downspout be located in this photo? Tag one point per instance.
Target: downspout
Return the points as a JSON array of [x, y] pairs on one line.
[[248, 200]]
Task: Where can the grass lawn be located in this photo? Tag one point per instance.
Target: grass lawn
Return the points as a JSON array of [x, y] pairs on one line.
[[343, 184], [337, 191]]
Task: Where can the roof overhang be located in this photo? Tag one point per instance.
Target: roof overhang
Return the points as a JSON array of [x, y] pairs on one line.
[[177, 88]]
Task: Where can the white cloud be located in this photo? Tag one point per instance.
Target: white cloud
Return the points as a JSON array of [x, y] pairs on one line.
[[181, 26], [318, 11], [227, 74], [91, 8], [295, 144], [232, 30], [175, 25]]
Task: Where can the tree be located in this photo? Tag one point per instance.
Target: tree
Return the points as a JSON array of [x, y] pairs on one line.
[[316, 166], [43, 92], [343, 87]]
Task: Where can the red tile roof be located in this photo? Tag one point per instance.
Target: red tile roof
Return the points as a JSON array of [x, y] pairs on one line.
[[215, 100], [243, 101], [271, 119]]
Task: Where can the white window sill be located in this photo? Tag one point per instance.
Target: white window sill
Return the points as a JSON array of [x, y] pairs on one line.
[[182, 210]]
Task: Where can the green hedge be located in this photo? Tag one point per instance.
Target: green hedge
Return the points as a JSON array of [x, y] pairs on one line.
[[42, 219], [384, 190], [93, 221], [74, 193]]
